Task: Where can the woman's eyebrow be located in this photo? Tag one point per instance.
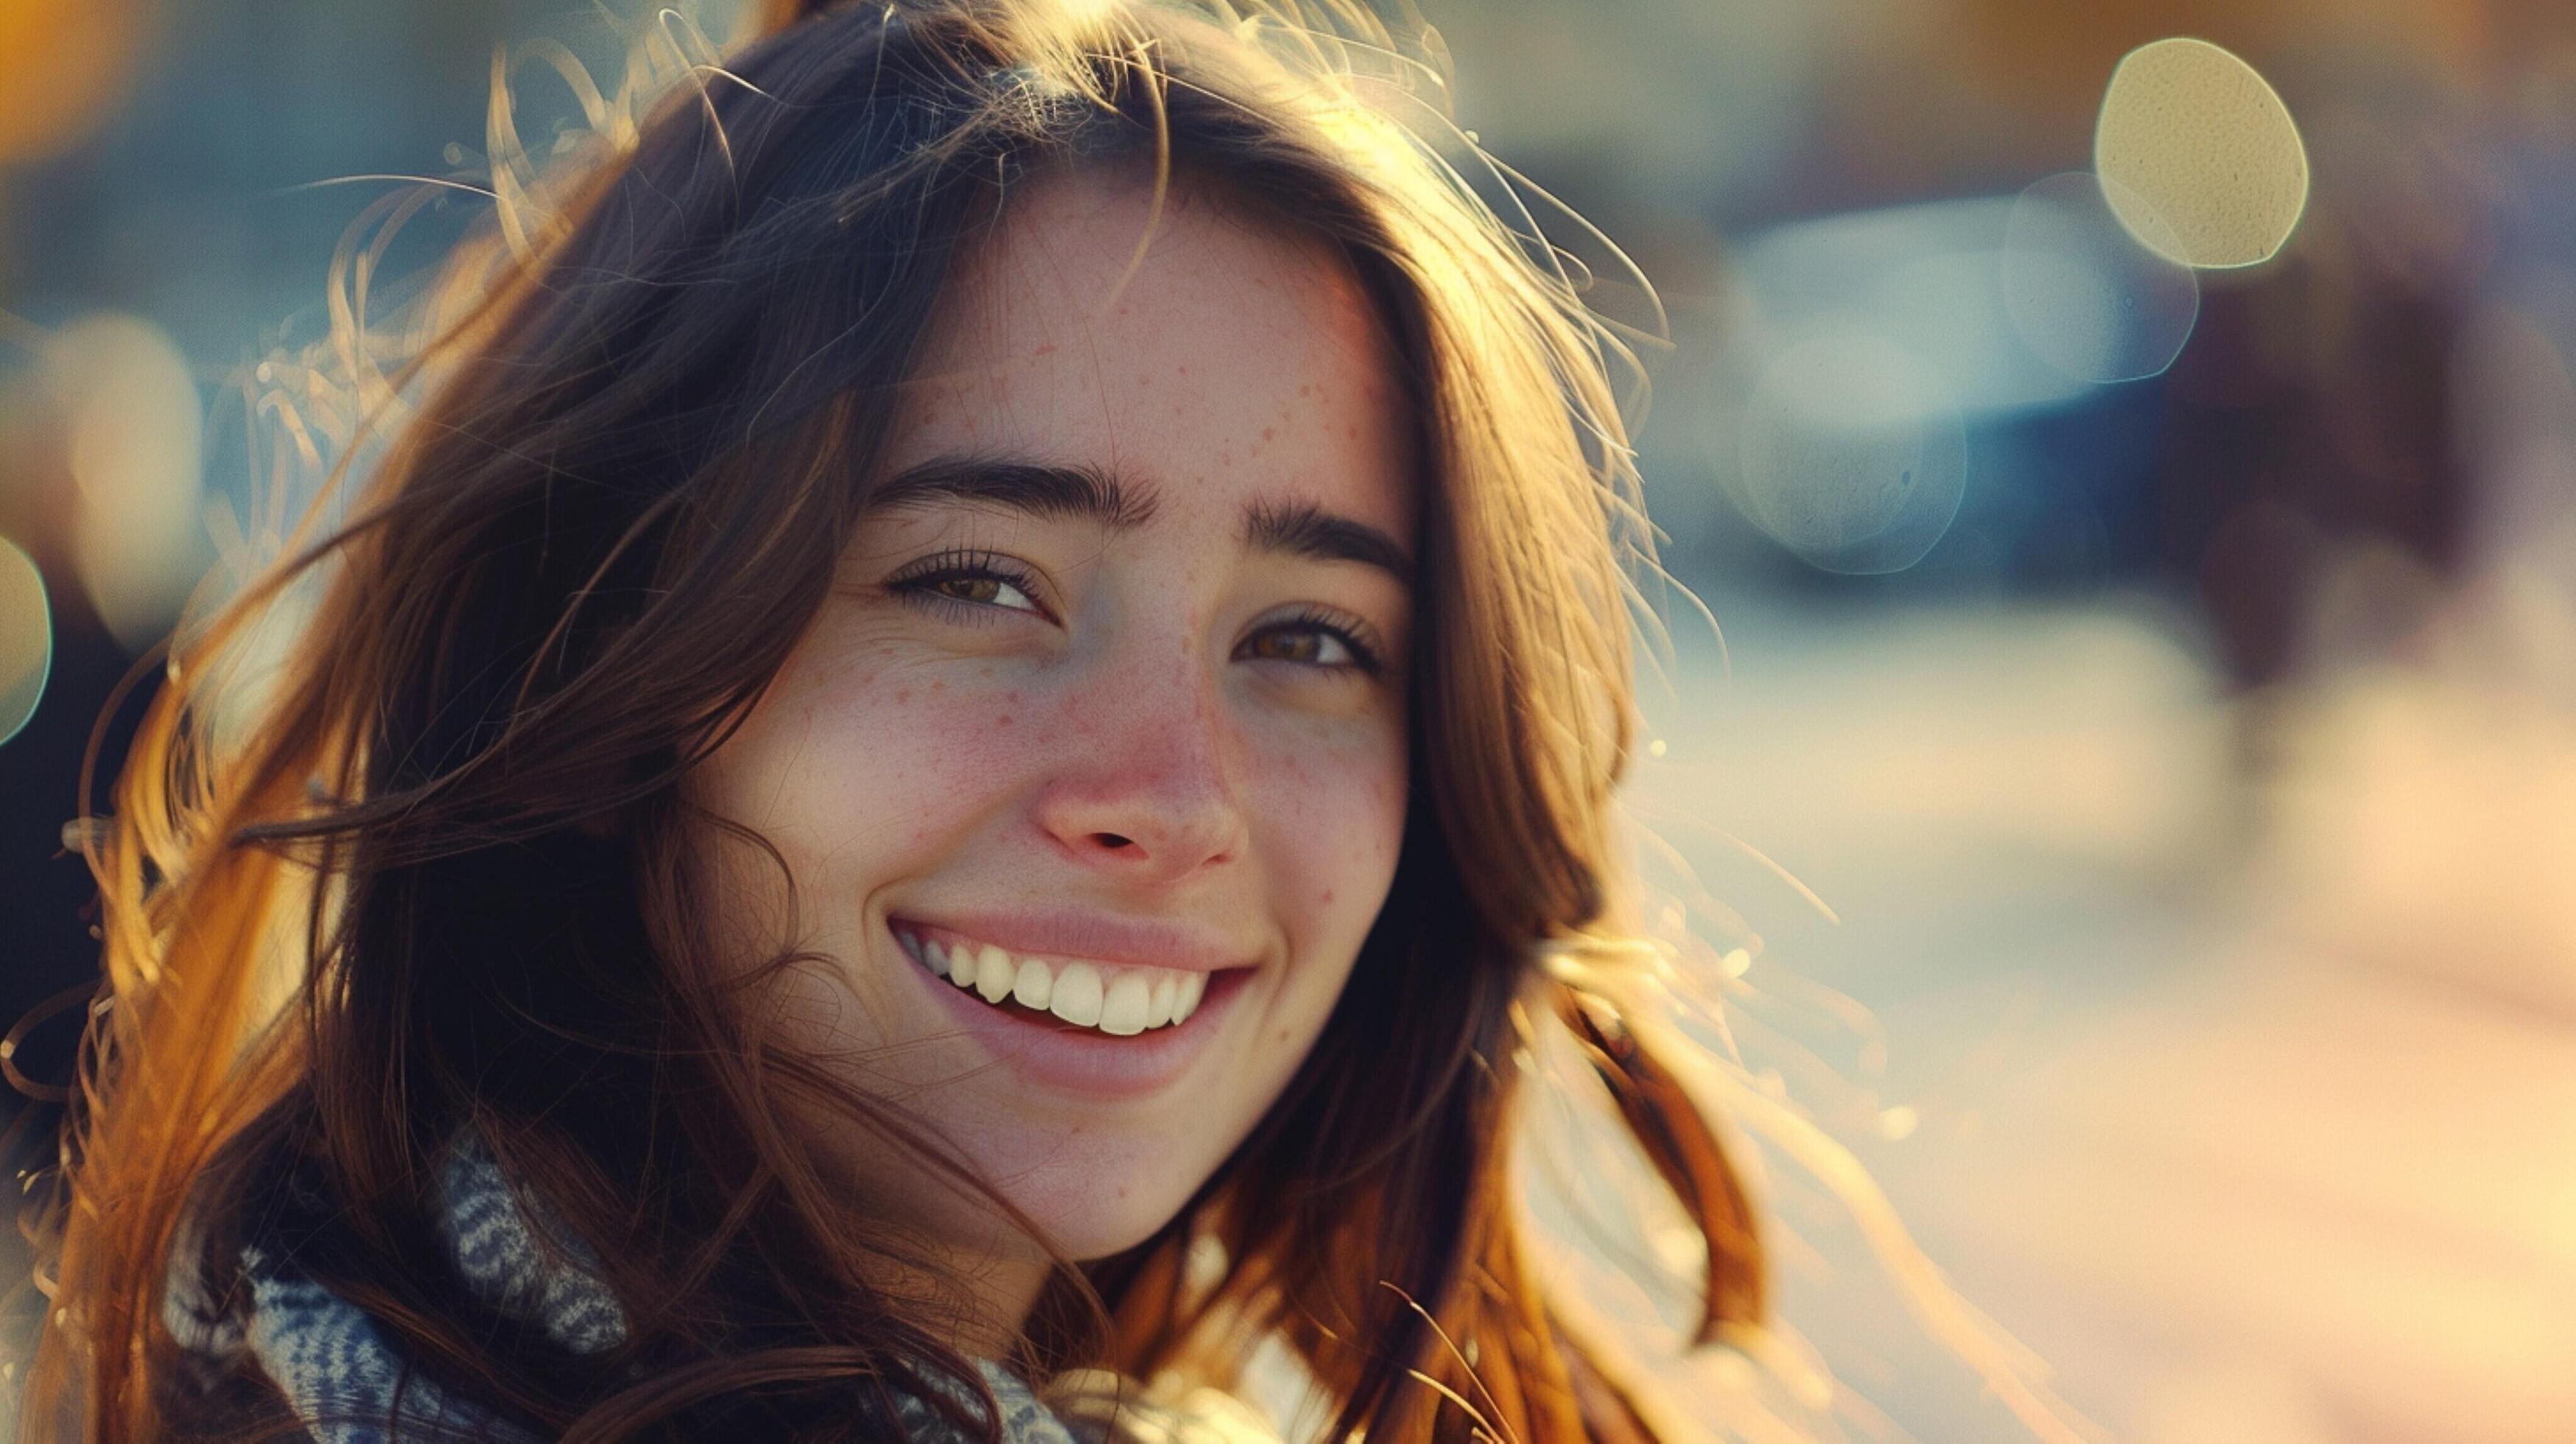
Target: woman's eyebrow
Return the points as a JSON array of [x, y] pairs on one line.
[[1078, 493], [1303, 528], [1294, 527]]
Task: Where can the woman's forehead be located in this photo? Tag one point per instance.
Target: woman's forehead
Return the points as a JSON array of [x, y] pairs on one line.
[[1213, 352]]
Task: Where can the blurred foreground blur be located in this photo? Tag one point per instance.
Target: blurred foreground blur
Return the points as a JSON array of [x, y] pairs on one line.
[[2130, 449]]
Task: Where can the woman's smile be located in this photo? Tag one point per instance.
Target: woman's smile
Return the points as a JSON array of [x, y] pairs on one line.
[[1104, 1031], [1116, 999]]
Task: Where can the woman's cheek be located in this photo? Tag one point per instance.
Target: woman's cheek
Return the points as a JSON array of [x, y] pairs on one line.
[[860, 739], [926, 748], [1334, 818]]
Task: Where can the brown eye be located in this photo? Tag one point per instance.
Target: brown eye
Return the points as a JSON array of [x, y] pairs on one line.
[[1288, 646], [970, 589], [972, 586], [1313, 644]]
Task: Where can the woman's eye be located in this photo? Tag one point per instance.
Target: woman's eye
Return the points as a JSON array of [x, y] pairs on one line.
[[988, 590], [1315, 643], [972, 587]]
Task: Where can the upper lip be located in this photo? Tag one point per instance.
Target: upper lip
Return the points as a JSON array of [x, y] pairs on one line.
[[1094, 937]]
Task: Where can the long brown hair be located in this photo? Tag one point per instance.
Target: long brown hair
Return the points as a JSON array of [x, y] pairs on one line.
[[448, 837]]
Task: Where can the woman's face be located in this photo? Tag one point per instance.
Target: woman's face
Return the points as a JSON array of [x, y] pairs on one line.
[[1110, 698]]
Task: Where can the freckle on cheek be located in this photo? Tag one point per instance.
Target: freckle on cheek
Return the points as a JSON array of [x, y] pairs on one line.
[[902, 695]]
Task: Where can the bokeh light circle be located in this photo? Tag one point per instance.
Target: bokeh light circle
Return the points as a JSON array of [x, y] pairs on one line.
[[2198, 155], [26, 638], [2085, 295], [1852, 455], [133, 427], [65, 67]]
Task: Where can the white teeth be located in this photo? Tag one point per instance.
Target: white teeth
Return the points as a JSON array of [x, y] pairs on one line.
[[1034, 985], [1077, 994], [1123, 1011], [1124, 1002], [995, 975]]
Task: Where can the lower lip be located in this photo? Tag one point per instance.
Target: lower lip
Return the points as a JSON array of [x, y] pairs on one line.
[[1083, 1060]]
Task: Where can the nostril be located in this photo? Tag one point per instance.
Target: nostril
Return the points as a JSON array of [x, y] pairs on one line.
[[1114, 840]]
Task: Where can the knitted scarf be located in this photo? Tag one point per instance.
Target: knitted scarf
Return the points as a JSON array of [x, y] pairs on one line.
[[334, 1364]]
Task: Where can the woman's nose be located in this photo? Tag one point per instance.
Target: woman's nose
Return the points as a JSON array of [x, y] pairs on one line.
[[1144, 787]]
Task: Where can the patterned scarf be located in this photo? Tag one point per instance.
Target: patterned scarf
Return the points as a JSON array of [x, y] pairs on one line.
[[336, 1367]]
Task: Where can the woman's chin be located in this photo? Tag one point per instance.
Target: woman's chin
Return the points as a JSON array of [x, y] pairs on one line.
[[1092, 1207]]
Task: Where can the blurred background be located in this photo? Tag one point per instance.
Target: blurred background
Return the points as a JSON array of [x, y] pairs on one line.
[[2130, 451]]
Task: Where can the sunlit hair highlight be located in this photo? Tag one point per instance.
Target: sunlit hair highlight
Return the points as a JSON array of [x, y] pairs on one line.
[[398, 847]]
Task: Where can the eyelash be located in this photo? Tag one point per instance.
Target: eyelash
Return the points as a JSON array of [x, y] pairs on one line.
[[1364, 658], [917, 585]]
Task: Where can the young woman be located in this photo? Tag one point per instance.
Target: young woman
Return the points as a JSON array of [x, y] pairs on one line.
[[944, 788]]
